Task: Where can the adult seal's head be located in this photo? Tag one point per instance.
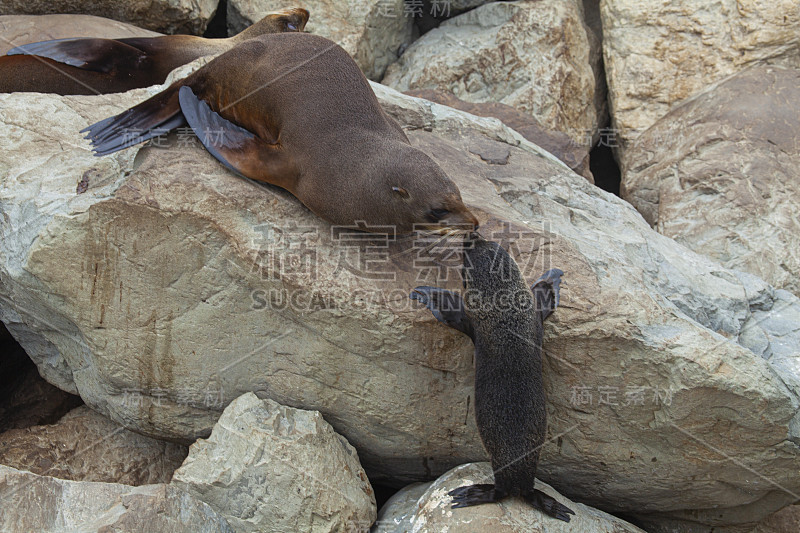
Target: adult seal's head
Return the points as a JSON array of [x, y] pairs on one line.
[[503, 317], [407, 190], [294, 110]]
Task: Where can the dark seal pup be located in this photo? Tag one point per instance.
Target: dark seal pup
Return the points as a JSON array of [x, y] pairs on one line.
[[294, 110], [102, 66], [503, 317]]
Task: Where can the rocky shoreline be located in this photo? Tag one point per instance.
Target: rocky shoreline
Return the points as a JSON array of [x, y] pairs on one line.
[[245, 366]]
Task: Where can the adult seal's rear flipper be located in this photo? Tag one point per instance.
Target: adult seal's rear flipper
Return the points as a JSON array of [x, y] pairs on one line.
[[446, 306], [100, 55], [546, 291], [151, 118], [234, 146]]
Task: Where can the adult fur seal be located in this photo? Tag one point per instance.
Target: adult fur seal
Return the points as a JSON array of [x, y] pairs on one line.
[[503, 317], [101, 66], [294, 110]]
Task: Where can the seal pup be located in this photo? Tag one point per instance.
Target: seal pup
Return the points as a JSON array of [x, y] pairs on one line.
[[92, 66], [294, 110], [503, 317]]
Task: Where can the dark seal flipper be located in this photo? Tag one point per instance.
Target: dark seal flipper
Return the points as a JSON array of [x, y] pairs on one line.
[[215, 133], [99, 55], [546, 291], [446, 306], [151, 118], [548, 505], [470, 495], [234, 146]]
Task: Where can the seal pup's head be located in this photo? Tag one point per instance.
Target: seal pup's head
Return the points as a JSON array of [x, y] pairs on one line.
[[492, 279]]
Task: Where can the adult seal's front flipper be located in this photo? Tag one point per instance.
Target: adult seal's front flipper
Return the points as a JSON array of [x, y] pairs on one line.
[[234, 146], [446, 306], [546, 291]]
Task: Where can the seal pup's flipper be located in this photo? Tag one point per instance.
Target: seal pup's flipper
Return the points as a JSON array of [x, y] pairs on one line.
[[153, 117], [548, 505], [546, 291], [478, 494], [470, 495], [100, 55], [234, 146], [446, 306]]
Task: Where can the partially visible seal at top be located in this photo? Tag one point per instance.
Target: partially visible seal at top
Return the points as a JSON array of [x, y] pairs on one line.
[[294, 110], [503, 317], [102, 66]]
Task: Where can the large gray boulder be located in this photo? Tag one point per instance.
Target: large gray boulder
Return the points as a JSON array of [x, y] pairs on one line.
[[161, 287], [372, 31], [721, 174], [165, 16], [86, 446], [572, 154], [50, 505], [661, 52], [271, 468], [538, 57]]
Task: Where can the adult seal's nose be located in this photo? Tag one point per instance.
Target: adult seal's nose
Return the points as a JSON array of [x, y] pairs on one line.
[[462, 220]]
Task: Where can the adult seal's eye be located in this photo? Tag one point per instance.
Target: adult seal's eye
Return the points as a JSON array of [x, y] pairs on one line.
[[438, 214], [291, 26]]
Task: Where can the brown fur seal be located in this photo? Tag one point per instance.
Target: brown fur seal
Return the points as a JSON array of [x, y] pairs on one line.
[[503, 317], [294, 110], [102, 66]]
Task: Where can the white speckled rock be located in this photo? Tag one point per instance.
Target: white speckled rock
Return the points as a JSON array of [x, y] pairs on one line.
[[396, 513], [534, 56], [166, 16], [372, 31], [50, 505], [422, 508], [270, 468], [660, 52], [721, 174]]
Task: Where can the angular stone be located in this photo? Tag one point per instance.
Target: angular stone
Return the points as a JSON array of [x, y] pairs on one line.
[[655, 352], [267, 467], [165, 16], [572, 154], [49, 505], [659, 53], [86, 446], [721, 174], [428, 508], [372, 31], [16, 30], [533, 56], [787, 520]]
